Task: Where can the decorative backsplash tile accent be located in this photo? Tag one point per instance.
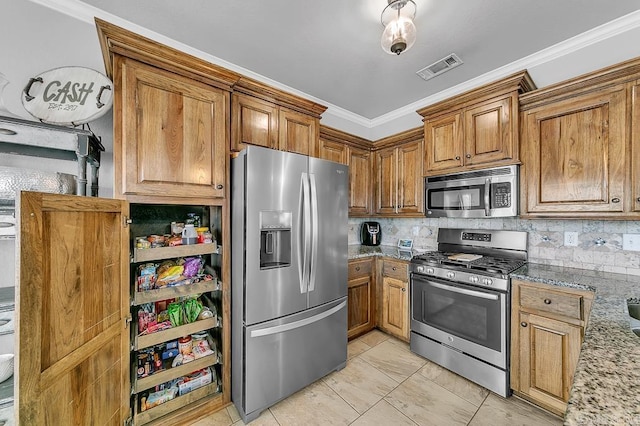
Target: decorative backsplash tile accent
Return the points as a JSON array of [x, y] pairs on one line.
[[599, 241]]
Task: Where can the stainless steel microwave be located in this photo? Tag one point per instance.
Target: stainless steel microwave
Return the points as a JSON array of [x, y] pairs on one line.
[[480, 193]]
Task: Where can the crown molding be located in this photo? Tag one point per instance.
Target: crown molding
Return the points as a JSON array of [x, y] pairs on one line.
[[86, 13]]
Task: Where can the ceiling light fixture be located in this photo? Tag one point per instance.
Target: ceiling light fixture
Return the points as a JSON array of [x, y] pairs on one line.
[[399, 31]]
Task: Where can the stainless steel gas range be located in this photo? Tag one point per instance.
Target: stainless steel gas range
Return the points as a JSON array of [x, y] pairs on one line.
[[460, 303]]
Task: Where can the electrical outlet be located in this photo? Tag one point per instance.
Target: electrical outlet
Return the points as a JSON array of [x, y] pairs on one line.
[[631, 242], [571, 238]]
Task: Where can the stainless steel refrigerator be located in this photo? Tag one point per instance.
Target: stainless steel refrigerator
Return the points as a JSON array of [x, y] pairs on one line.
[[289, 274]]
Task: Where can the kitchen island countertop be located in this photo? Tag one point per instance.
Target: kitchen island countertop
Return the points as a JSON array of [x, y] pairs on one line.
[[606, 386]]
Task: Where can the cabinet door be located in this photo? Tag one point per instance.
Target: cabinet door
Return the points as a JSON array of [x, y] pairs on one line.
[[172, 137], [74, 341], [635, 147], [360, 185], [443, 139], [488, 132], [360, 308], [410, 178], [549, 351], [298, 132], [253, 122], [386, 179], [333, 151], [395, 303], [575, 154]]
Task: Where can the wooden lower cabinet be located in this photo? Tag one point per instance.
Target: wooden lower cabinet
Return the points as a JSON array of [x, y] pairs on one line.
[[547, 331], [361, 297], [394, 318]]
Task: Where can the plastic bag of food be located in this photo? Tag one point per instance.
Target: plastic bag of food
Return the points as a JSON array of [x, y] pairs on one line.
[[192, 308], [175, 313], [192, 266]]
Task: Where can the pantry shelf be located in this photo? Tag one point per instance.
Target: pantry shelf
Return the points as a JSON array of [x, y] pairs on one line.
[[159, 253], [173, 373], [148, 296], [147, 416], [147, 340]]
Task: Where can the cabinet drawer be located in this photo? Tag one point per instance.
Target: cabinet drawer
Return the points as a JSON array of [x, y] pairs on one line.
[[394, 269], [569, 305], [359, 268]]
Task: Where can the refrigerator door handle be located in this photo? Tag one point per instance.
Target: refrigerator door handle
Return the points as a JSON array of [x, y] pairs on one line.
[[313, 258], [304, 234], [297, 324]]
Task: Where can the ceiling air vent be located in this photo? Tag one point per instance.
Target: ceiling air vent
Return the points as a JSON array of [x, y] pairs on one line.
[[438, 67]]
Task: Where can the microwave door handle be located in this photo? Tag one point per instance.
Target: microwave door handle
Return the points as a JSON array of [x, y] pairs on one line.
[[487, 186], [465, 291]]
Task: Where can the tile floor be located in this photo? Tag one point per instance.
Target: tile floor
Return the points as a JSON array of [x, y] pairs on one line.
[[384, 383]]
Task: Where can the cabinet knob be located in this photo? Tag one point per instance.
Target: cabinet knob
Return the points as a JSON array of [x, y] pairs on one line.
[[357, 268], [638, 199], [547, 301], [615, 200], [524, 324], [219, 186], [457, 157], [394, 268], [468, 155], [404, 289]]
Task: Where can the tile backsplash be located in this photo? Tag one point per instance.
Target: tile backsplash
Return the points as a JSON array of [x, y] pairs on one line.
[[599, 241]]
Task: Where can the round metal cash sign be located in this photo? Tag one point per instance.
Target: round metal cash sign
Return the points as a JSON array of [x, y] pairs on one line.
[[68, 95]]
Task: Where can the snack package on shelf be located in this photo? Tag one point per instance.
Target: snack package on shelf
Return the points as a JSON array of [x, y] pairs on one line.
[[195, 380], [147, 276]]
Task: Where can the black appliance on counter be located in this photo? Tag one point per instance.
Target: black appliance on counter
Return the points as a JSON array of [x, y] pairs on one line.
[[370, 234], [460, 303]]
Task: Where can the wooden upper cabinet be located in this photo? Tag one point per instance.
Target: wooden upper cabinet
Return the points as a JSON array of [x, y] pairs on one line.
[[264, 116], [574, 154], [171, 136], [476, 129], [355, 152], [360, 182], [398, 170], [298, 132], [635, 147], [488, 133], [253, 122], [444, 142], [333, 151]]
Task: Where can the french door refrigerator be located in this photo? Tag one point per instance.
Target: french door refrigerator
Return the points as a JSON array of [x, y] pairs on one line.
[[289, 274]]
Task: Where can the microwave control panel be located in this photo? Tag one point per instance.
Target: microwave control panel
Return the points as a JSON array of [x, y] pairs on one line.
[[501, 195]]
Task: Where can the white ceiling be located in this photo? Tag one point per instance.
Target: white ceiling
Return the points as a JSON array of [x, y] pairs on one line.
[[329, 50]]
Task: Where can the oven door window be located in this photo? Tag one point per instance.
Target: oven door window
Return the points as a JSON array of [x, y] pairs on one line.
[[456, 198], [468, 312]]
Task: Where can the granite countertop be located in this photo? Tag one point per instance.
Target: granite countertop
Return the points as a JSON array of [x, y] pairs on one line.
[[606, 386], [357, 251]]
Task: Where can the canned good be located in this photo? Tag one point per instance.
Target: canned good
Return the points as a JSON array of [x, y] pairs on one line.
[[142, 243], [201, 234]]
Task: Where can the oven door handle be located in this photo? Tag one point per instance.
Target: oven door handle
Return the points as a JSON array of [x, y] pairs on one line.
[[487, 187], [465, 291]]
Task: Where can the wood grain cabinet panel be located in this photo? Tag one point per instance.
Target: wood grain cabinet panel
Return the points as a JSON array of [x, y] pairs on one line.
[[298, 133], [575, 154], [395, 298], [476, 129], [361, 297], [399, 179], [635, 148], [173, 134], [360, 182], [333, 151], [253, 122], [547, 327]]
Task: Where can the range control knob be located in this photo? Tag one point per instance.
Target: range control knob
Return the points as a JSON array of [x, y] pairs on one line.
[[451, 275], [473, 279], [420, 268], [487, 281], [430, 271]]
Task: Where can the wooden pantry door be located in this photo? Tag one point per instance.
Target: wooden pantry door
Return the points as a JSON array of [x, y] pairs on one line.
[[73, 302]]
